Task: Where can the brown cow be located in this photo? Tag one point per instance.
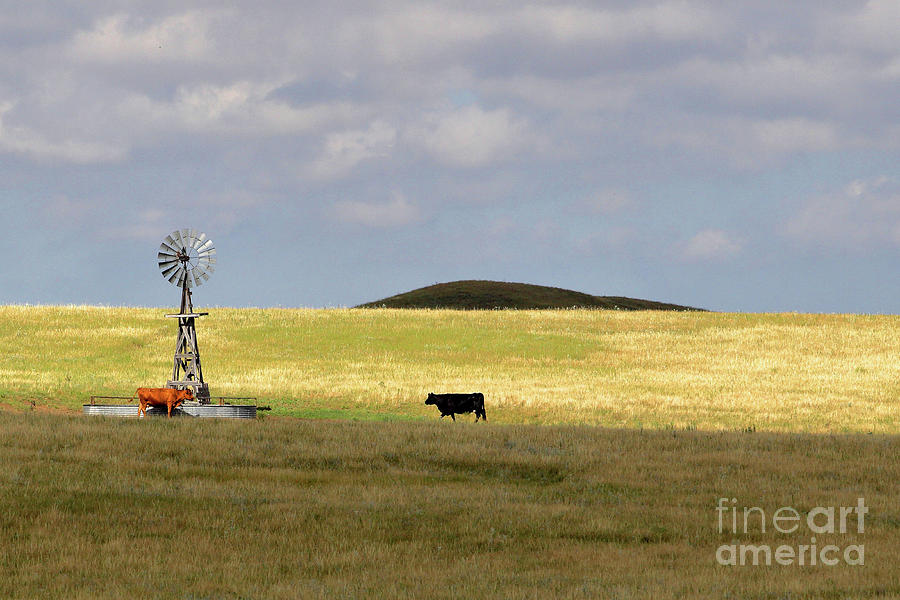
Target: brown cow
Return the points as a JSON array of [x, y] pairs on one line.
[[167, 397]]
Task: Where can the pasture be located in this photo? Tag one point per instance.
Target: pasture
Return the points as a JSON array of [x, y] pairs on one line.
[[291, 508], [653, 370], [611, 437]]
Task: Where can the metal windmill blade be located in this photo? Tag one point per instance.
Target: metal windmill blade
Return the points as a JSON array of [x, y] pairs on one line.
[[187, 238], [186, 258], [179, 243], [206, 252]]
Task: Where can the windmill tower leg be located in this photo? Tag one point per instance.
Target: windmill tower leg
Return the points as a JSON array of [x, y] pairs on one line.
[[186, 370]]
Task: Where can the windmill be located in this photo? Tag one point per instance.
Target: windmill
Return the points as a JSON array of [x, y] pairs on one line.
[[186, 259]]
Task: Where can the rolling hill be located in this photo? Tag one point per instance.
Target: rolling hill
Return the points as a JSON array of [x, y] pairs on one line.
[[487, 295]]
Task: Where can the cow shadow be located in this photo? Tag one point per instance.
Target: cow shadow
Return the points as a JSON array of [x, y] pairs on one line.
[[161, 411]]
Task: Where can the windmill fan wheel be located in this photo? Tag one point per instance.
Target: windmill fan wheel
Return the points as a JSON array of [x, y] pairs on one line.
[[187, 257]]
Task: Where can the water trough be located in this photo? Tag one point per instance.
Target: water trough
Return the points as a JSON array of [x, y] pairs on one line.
[[188, 409]]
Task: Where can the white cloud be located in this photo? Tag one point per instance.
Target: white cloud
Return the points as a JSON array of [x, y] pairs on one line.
[[470, 136], [891, 71], [415, 32], [584, 94], [242, 107], [148, 225], [152, 76], [209, 103], [419, 34], [346, 149], [62, 210], [25, 141], [873, 27], [393, 213], [608, 201], [119, 38], [498, 109], [711, 245], [746, 142], [772, 77], [619, 240], [866, 213], [793, 135], [670, 21]]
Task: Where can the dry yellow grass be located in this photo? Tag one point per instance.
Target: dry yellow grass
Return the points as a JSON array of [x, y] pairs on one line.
[[290, 508], [785, 372], [285, 508]]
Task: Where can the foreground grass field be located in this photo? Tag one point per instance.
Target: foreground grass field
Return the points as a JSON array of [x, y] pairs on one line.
[[286, 508], [813, 373]]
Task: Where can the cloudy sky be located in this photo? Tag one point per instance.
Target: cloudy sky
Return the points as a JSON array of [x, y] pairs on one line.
[[731, 155]]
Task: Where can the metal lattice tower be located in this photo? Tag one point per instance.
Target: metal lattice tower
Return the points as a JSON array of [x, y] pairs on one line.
[[186, 259]]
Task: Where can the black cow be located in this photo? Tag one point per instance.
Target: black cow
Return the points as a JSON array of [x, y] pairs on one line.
[[457, 404]]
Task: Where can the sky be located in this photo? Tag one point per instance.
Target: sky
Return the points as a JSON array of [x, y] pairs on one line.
[[735, 156]]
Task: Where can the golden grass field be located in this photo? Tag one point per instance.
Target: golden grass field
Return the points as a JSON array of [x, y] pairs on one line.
[[782, 372], [611, 437]]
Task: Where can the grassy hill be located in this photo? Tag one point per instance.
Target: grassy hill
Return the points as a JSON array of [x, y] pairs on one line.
[[487, 295]]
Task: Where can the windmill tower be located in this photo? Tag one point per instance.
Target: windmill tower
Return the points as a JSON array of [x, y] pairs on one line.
[[186, 259]]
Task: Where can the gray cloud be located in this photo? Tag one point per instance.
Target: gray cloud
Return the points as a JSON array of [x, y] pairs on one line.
[[695, 65], [470, 136], [862, 215], [256, 117], [395, 212], [344, 150], [710, 245]]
